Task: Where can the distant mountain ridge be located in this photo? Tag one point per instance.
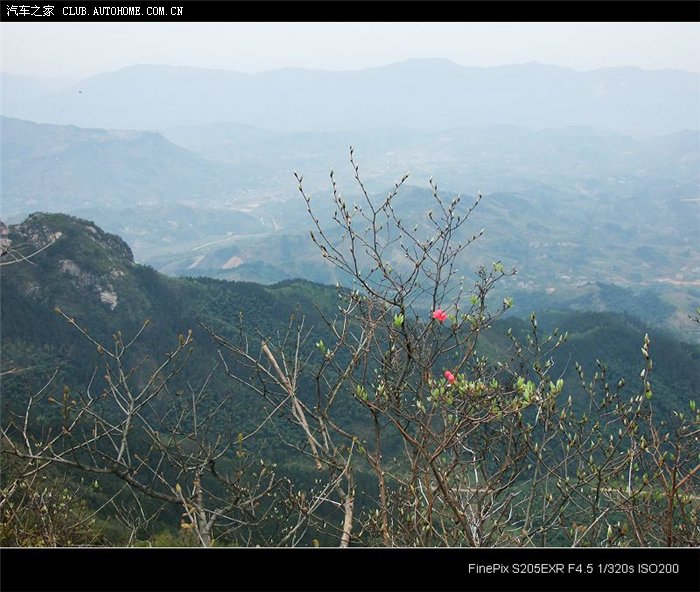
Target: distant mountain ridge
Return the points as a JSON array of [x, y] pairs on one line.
[[17, 89], [72, 167], [417, 93]]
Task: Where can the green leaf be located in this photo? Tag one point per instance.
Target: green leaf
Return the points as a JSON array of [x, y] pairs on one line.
[[361, 392]]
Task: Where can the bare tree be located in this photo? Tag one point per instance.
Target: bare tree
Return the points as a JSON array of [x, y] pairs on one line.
[[481, 452], [130, 426], [414, 436]]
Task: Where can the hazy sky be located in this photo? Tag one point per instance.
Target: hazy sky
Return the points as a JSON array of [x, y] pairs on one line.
[[78, 50]]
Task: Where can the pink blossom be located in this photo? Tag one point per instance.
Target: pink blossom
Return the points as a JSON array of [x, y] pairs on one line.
[[449, 376], [439, 315]]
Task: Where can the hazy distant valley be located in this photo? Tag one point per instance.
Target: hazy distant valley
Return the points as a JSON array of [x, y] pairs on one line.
[[574, 197]]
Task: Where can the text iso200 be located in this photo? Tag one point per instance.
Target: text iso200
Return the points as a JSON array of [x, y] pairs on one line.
[[658, 568]]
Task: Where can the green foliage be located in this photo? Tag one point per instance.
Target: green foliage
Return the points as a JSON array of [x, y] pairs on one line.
[[44, 510], [520, 402]]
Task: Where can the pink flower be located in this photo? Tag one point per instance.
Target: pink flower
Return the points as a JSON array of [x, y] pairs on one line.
[[449, 376], [439, 315]]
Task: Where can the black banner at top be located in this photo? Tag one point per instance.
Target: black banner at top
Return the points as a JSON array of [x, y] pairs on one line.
[[355, 10]]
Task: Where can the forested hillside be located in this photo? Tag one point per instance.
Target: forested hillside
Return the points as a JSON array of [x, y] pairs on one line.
[[92, 277], [75, 307]]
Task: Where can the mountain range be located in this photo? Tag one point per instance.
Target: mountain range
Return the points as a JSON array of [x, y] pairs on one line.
[[418, 93], [568, 208], [589, 179]]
